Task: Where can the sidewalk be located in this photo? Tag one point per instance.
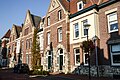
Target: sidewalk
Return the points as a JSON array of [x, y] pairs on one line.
[[83, 77]]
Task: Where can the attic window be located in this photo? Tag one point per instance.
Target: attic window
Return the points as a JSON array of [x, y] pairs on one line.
[[80, 5]]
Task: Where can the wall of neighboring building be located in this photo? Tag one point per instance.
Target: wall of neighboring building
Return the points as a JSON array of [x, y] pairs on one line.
[[77, 43], [105, 36], [55, 24]]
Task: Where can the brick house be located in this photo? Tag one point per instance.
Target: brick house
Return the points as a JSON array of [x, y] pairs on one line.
[[30, 23], [56, 37], [12, 45], [3, 49], [109, 28]]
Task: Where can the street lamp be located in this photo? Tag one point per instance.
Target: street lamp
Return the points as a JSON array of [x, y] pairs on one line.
[[94, 40], [86, 26]]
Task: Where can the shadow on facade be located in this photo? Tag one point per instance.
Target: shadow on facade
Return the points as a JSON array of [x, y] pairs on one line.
[[104, 67]]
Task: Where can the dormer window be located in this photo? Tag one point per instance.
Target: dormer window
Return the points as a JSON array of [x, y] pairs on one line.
[[80, 5]]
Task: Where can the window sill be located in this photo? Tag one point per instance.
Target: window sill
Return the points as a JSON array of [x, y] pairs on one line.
[[113, 31], [75, 38]]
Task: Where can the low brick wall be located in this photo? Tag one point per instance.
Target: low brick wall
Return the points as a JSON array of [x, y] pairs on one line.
[[103, 70]]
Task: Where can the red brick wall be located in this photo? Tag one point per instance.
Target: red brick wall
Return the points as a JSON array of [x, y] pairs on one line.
[[53, 28], [104, 56]]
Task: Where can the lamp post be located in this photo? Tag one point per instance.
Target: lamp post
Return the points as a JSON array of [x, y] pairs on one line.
[[87, 28], [94, 40]]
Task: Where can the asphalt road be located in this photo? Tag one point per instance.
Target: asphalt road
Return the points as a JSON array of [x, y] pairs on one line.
[[7, 74]]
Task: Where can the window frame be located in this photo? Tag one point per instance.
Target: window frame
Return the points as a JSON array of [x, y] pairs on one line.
[[76, 54], [112, 22], [78, 4], [83, 28], [48, 38], [86, 64], [60, 34], [75, 30], [48, 21], [59, 15], [112, 53]]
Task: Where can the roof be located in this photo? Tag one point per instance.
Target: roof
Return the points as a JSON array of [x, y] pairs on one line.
[[36, 20], [18, 30], [72, 5], [7, 35]]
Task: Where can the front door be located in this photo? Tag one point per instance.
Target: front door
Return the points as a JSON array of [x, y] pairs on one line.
[[49, 62], [61, 61]]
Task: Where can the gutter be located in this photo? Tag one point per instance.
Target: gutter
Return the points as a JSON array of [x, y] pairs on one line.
[[107, 3]]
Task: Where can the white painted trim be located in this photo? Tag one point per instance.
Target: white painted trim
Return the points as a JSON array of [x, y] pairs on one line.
[[109, 31], [113, 64], [84, 59], [110, 11], [81, 2], [75, 55]]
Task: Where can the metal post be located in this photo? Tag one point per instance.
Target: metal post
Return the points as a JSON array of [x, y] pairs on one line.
[[88, 58], [96, 58]]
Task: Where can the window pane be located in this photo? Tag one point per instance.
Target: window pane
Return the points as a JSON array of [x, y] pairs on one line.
[[76, 30], [116, 58], [48, 38], [116, 48], [77, 59], [77, 51], [113, 17], [113, 26], [86, 58], [85, 32], [80, 6], [60, 34], [61, 51], [113, 22], [84, 29]]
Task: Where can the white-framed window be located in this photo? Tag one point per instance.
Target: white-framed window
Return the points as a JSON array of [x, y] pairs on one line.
[[59, 15], [86, 56], [48, 38], [41, 25], [27, 59], [115, 54], [80, 5], [84, 30], [41, 41], [77, 56], [112, 22], [27, 43], [60, 57], [59, 34], [76, 30], [48, 20]]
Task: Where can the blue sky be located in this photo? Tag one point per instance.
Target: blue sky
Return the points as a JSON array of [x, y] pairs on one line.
[[14, 12]]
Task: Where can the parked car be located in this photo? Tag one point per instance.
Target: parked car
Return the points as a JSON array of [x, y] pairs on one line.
[[21, 68]]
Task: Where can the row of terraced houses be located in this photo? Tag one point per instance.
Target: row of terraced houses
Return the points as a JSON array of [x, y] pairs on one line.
[[61, 33]]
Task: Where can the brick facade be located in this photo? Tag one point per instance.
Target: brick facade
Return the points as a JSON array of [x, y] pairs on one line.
[[55, 24], [105, 36]]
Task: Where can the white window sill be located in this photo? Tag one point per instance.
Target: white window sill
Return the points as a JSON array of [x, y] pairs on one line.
[[75, 38], [113, 31]]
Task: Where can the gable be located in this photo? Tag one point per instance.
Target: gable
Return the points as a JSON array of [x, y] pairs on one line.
[[54, 4], [27, 19], [13, 30]]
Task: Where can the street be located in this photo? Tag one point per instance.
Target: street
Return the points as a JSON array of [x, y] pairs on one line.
[[7, 74]]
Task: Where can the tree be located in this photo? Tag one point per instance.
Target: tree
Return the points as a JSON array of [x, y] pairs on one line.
[[36, 56], [0, 43], [88, 46]]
